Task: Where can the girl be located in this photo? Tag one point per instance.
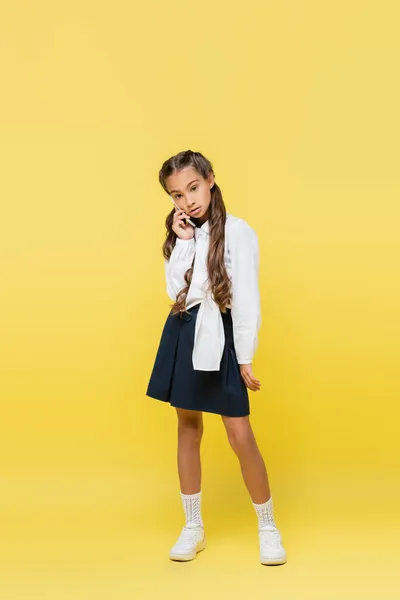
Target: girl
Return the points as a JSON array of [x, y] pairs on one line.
[[204, 360]]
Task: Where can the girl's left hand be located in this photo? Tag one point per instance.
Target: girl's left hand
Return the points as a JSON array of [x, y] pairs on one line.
[[251, 382]]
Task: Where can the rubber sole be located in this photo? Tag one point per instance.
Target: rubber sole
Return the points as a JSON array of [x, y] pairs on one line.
[[191, 556], [274, 561]]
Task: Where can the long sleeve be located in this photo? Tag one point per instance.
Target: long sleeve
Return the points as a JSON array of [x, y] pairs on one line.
[[175, 268], [246, 311]]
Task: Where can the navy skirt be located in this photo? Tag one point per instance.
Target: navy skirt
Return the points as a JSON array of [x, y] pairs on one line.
[[174, 380]]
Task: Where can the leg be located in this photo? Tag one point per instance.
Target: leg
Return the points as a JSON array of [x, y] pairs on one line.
[[190, 433], [243, 442]]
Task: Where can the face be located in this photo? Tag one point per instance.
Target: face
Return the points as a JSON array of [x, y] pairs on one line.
[[191, 192]]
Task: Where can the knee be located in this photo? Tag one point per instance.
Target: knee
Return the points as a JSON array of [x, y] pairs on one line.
[[240, 436], [190, 428]]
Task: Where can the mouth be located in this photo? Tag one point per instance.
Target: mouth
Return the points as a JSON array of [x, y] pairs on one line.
[[195, 211]]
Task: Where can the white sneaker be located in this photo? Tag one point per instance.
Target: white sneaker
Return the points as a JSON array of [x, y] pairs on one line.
[[191, 541], [271, 550]]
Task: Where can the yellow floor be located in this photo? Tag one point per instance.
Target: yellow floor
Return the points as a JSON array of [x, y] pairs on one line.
[[88, 536]]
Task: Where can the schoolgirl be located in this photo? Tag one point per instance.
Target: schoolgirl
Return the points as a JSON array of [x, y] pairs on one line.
[[204, 359]]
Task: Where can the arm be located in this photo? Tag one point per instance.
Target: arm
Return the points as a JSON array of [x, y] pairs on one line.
[[175, 268], [246, 311]]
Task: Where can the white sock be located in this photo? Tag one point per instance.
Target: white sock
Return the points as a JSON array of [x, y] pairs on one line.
[[265, 513], [192, 507]]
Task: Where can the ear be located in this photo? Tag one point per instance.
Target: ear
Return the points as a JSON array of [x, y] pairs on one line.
[[211, 180]]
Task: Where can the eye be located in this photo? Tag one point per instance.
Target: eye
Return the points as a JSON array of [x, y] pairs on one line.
[[177, 196], [194, 187]]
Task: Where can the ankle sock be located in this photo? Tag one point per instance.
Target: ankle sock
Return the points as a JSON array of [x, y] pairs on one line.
[[265, 513], [192, 507]]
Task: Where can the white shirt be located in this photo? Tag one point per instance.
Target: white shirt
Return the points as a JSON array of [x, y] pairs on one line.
[[242, 265]]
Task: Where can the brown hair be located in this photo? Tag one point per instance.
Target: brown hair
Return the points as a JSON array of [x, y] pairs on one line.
[[219, 281]]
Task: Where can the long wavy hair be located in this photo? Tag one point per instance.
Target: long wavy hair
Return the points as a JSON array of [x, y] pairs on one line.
[[219, 281]]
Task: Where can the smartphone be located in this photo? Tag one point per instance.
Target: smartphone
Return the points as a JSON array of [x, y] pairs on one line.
[[187, 220]]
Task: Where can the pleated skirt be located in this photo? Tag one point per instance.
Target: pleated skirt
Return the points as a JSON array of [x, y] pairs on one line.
[[174, 380]]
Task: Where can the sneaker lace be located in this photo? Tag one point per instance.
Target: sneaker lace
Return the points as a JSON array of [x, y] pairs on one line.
[[269, 537], [189, 534]]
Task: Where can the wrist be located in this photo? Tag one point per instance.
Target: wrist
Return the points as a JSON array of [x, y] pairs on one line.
[[184, 242], [243, 365]]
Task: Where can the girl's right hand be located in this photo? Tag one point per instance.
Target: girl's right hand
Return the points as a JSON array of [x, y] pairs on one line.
[[183, 230]]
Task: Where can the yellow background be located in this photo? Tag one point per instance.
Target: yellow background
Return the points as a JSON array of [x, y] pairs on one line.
[[296, 105]]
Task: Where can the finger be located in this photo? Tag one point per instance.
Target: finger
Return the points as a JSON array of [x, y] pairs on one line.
[[253, 384], [249, 384], [252, 377], [179, 212], [248, 380], [180, 221], [181, 216]]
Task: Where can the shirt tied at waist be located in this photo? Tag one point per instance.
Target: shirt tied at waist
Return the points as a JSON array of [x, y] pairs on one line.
[[209, 337]]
